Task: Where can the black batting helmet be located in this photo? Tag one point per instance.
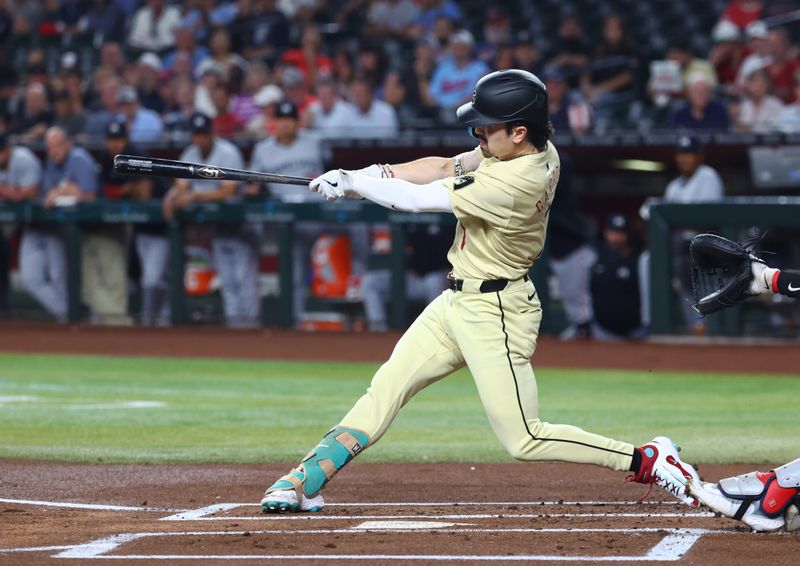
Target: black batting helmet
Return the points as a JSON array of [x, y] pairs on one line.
[[506, 96]]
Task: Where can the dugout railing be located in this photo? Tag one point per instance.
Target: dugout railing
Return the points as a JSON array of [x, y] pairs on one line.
[[282, 215], [733, 218]]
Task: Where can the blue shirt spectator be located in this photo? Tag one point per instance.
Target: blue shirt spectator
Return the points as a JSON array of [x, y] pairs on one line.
[[455, 77], [70, 170], [701, 111], [435, 9], [144, 125]]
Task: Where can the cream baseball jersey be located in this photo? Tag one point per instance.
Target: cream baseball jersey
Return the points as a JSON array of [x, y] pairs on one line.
[[502, 209]]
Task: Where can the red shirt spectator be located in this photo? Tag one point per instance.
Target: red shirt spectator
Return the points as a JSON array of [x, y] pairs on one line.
[[728, 51], [784, 65], [743, 12], [226, 123], [308, 58]]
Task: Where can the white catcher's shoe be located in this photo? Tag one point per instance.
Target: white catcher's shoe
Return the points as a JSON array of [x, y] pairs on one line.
[[739, 497]]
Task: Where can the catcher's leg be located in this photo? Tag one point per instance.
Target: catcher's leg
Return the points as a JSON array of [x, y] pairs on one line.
[[763, 501], [423, 355]]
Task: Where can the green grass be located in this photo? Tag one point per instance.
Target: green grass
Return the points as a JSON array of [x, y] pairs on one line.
[[251, 411]]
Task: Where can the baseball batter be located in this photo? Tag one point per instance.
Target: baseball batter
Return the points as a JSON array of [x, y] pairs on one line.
[[488, 319]]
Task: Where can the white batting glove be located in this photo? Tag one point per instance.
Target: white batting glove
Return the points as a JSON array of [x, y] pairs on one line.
[[319, 184]]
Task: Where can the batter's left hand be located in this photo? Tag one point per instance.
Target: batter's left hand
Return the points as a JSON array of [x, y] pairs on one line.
[[329, 184]]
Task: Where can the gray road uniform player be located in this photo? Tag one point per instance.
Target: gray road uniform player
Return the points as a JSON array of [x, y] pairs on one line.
[[488, 320], [234, 247]]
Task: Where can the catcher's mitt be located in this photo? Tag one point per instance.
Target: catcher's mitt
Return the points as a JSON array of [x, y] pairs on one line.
[[722, 272]]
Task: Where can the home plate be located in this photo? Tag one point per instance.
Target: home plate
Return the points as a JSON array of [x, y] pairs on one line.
[[404, 525]]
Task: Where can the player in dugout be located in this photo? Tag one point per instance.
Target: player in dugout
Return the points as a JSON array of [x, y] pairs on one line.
[[488, 320]]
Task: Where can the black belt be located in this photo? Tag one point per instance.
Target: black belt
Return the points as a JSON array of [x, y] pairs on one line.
[[487, 286]]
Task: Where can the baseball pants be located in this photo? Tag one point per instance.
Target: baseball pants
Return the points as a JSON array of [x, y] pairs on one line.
[[236, 262], [494, 335], [153, 251], [573, 273], [104, 274], [43, 270]]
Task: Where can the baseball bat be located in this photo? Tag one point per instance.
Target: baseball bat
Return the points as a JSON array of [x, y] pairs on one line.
[[154, 167]]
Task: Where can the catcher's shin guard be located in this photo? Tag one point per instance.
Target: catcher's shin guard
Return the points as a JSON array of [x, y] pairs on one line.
[[319, 466]]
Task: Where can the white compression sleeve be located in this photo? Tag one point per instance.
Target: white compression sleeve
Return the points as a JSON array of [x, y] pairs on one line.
[[402, 195]]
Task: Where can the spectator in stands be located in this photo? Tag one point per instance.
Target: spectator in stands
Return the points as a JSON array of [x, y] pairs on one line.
[[111, 57], [221, 54], [443, 28], [70, 176], [105, 19], [455, 76], [153, 27], [308, 57], [569, 112], [701, 111], [609, 76], [727, 54], [263, 124], [297, 91], [526, 55], [20, 175], [226, 124], [430, 11], [426, 273], [615, 284], [35, 116], [391, 18], [104, 253], [789, 119], [743, 12], [260, 31], [72, 83], [416, 79], [697, 182], [143, 124], [571, 53], [185, 43], [177, 121], [344, 69], [759, 52], [107, 87], [784, 64], [148, 76], [210, 75], [371, 62], [243, 104], [369, 117], [66, 117], [328, 115], [759, 110], [497, 37], [234, 247], [681, 52]]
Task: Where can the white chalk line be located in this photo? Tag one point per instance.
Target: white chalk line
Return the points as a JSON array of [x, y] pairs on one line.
[[204, 513], [36, 548], [91, 506], [316, 517], [672, 547]]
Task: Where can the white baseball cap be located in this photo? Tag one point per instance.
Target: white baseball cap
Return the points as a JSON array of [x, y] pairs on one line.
[[267, 95], [725, 30], [151, 60], [756, 30]]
